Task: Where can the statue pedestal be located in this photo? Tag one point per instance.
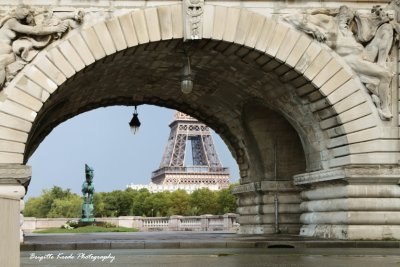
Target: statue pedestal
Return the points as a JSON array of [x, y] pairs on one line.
[[87, 213]]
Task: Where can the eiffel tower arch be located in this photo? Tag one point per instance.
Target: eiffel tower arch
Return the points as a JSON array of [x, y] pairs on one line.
[[206, 170]]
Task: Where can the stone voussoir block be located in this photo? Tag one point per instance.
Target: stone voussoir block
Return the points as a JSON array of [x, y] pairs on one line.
[[105, 38], [13, 122], [208, 21], [11, 146], [232, 19], [257, 24], [49, 69], [22, 98], [318, 64], [220, 12], [55, 56], [335, 82], [308, 57], [13, 135], [290, 41], [17, 110], [326, 73], [165, 18], [368, 146], [93, 43], [116, 33], [279, 35], [28, 86], [128, 29], [71, 55], [153, 25], [177, 26], [139, 21], [82, 48], [365, 135], [36, 75], [298, 50], [266, 35], [11, 158]]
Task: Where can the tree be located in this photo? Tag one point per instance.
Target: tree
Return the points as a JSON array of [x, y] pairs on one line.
[[32, 208], [41, 206], [57, 202], [180, 203], [69, 207], [117, 203], [98, 204], [226, 202], [204, 201], [157, 204], [138, 202]]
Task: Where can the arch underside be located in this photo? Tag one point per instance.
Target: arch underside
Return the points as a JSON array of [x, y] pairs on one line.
[[224, 85], [287, 73]]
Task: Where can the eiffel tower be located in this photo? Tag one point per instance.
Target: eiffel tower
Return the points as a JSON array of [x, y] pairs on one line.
[[207, 170]]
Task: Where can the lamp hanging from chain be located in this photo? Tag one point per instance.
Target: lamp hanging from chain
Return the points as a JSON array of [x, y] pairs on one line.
[[187, 79], [135, 123]]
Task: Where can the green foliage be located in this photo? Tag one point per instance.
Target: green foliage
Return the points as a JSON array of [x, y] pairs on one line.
[[117, 203], [57, 202], [69, 207], [54, 202], [157, 204], [138, 200], [32, 208], [98, 204], [226, 202], [180, 204], [204, 201]]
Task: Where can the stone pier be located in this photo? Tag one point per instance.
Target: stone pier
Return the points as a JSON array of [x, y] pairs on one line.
[[356, 203], [269, 207], [12, 178]]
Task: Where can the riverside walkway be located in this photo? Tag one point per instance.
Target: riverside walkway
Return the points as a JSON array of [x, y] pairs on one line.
[[186, 240], [199, 249]]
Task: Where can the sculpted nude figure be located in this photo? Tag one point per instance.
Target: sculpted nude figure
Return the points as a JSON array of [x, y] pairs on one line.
[[369, 62], [14, 24]]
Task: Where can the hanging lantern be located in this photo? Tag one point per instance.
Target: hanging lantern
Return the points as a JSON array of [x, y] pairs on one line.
[[135, 123], [187, 78]]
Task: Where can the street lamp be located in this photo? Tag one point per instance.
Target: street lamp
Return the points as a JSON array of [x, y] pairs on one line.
[[135, 123], [187, 79]]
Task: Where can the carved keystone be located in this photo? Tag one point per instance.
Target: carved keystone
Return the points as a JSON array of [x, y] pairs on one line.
[[193, 19]]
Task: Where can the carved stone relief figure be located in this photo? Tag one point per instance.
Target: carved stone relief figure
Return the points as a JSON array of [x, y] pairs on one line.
[[193, 13], [365, 50], [24, 31]]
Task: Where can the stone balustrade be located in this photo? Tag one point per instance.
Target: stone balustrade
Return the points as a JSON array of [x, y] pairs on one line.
[[226, 222]]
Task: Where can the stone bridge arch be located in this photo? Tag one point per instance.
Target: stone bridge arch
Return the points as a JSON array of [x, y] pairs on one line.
[[327, 88], [260, 60]]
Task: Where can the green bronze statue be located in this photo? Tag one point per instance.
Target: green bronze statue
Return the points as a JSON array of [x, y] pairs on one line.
[[87, 191]]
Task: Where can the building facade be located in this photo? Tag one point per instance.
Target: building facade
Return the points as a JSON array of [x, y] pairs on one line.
[[156, 188]]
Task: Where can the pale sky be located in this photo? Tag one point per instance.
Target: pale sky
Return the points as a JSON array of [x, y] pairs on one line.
[[102, 139]]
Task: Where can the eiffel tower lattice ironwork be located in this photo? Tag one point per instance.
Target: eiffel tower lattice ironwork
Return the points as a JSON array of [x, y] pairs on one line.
[[207, 168]]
